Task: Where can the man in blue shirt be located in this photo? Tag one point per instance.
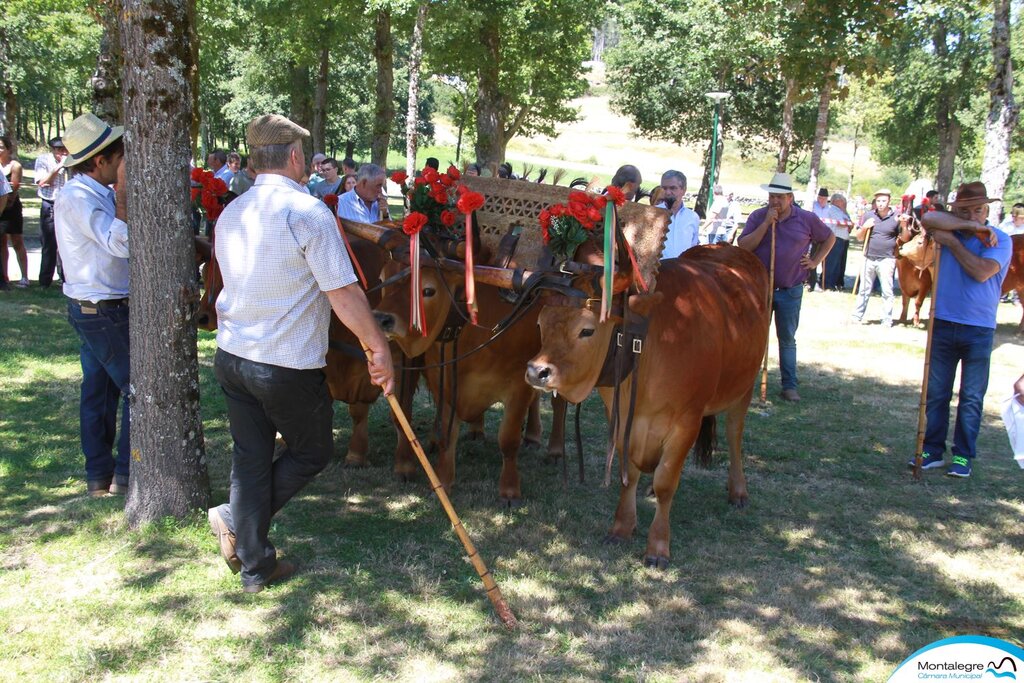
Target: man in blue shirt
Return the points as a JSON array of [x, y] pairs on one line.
[[364, 202], [973, 263]]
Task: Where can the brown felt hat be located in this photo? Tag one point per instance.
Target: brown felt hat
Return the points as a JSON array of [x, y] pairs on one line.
[[971, 194], [273, 129]]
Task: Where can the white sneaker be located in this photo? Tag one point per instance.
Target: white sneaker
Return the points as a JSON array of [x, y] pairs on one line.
[[23, 282]]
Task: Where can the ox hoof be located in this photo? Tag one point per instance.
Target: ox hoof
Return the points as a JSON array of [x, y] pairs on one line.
[[656, 561], [739, 503], [405, 477], [356, 461], [475, 436], [613, 539], [531, 444], [510, 503], [553, 458]]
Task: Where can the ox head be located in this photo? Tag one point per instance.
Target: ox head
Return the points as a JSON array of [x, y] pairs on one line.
[[206, 312], [438, 290], [574, 343]]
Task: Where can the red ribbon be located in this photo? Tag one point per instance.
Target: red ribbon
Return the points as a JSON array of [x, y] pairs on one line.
[[351, 254], [470, 282]]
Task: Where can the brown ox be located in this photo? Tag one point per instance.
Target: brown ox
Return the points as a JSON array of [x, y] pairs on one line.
[[347, 375], [491, 375], [914, 271], [1015, 275], [703, 350]]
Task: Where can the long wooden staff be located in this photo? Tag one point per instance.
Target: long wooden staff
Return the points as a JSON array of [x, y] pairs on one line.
[[493, 592], [921, 421], [867, 241], [771, 297]]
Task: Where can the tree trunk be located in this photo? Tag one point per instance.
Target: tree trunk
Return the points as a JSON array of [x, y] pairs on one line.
[[786, 136], [490, 103], [707, 182], [1002, 110], [8, 101], [319, 129], [412, 113], [106, 80], [949, 144], [820, 130], [300, 101], [384, 54], [168, 455], [853, 159]]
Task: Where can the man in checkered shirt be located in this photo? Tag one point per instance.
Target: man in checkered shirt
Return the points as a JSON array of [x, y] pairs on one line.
[[285, 268]]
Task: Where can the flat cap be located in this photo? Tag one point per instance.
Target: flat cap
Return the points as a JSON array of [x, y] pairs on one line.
[[273, 129]]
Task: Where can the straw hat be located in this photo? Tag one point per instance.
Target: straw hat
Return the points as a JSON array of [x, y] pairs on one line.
[[86, 136], [885, 190], [781, 184], [273, 129], [971, 194]]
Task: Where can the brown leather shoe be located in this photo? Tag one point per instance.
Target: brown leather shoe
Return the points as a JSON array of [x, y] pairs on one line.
[[225, 538], [281, 572], [98, 488], [790, 395], [119, 487]]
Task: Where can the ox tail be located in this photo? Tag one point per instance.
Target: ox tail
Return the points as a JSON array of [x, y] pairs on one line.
[[706, 441]]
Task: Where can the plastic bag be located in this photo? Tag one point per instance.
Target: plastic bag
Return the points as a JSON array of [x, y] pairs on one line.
[[1013, 417]]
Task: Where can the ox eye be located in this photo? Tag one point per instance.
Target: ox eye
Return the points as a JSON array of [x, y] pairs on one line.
[[429, 291], [586, 332]]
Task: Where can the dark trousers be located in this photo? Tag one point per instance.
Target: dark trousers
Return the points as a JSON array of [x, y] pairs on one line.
[[264, 399], [49, 256], [105, 369], [835, 265], [970, 347]]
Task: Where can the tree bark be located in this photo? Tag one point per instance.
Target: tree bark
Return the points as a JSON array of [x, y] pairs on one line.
[[319, 129], [949, 131], [853, 159], [490, 102], [106, 80], [1002, 111], [8, 101], [820, 131], [412, 112], [169, 475], [300, 101], [384, 55], [786, 136]]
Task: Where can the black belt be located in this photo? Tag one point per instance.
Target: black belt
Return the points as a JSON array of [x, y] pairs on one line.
[[102, 304], [48, 201], [783, 289]]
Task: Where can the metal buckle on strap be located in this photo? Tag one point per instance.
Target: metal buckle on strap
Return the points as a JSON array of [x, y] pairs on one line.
[[638, 343]]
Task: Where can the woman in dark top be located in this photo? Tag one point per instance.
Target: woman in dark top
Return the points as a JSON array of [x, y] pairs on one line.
[[11, 220]]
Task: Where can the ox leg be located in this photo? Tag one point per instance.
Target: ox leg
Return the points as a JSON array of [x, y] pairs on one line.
[[406, 467], [534, 430], [734, 420], [446, 448], [1020, 299], [625, 514], [360, 441], [666, 481], [556, 441], [510, 439], [906, 306]]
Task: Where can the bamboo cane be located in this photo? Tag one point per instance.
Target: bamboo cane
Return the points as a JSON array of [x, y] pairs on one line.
[[921, 421], [856, 281], [768, 337], [493, 592]]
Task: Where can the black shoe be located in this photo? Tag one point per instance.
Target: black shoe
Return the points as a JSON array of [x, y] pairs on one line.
[[282, 571], [119, 486], [98, 488]]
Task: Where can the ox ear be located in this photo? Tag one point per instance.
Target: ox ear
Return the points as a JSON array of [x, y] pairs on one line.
[[643, 304]]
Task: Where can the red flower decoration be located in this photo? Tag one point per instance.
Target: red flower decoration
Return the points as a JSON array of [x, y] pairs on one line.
[[453, 173], [218, 186], [331, 200], [469, 201], [195, 193], [196, 175], [615, 194], [399, 177], [421, 180], [430, 175], [439, 194], [448, 218], [413, 223]]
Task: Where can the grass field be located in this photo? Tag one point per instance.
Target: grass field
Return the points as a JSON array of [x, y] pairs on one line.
[[840, 567]]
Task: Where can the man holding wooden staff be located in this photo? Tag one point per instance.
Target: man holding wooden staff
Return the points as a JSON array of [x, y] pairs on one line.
[[882, 228], [285, 268], [794, 231], [974, 257]]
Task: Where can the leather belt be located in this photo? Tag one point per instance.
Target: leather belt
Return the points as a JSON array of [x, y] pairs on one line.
[[101, 305]]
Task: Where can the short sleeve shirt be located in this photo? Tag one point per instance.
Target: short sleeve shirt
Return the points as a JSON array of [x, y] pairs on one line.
[[279, 250], [884, 234], [352, 207], [793, 235], [959, 298]]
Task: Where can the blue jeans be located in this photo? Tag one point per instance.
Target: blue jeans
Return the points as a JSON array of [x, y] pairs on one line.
[[786, 306], [834, 276], [105, 368], [263, 399], [883, 269], [971, 347]]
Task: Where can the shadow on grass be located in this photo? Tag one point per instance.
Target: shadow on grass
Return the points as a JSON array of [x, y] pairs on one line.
[[840, 568]]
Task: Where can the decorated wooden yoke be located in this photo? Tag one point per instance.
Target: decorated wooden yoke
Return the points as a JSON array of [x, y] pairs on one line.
[[517, 204]]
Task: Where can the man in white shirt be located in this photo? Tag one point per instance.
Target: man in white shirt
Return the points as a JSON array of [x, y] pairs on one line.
[[50, 177], [363, 202], [272, 343], [684, 223], [90, 225]]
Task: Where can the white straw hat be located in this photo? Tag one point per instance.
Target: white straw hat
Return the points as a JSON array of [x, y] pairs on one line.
[[781, 184], [86, 136]]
